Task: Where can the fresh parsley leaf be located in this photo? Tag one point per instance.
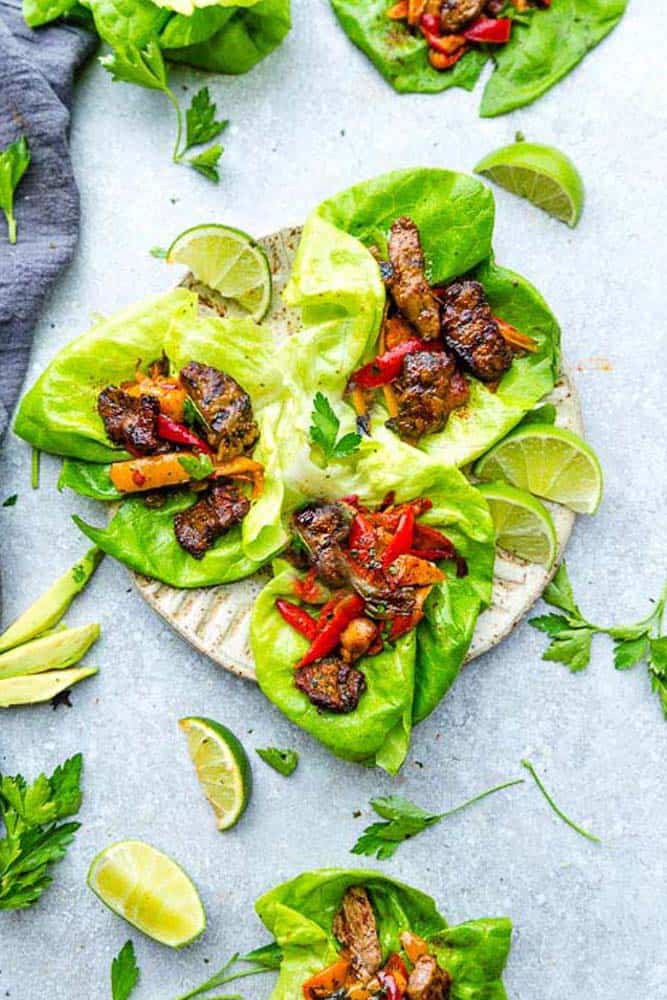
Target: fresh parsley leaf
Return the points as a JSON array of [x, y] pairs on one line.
[[551, 624], [200, 122], [10, 501], [33, 839], [324, 431], [14, 161], [124, 972], [658, 669], [197, 467], [158, 252], [404, 819], [282, 761], [559, 593], [572, 646], [145, 67], [566, 819], [192, 415], [206, 163], [629, 652]]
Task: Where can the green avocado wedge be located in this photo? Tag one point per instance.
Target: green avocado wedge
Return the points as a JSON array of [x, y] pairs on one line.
[[35, 688], [60, 649]]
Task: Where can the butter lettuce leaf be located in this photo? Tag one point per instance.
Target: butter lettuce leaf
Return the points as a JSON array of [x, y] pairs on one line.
[[300, 914]]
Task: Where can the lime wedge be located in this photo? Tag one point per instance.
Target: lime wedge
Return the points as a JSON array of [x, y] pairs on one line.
[[228, 261], [523, 525], [149, 890], [549, 461], [222, 767], [542, 174]]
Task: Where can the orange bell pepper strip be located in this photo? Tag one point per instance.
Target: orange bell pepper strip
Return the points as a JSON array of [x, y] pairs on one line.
[[242, 468], [399, 11], [168, 392], [415, 10], [151, 473], [327, 981], [515, 338], [415, 946]]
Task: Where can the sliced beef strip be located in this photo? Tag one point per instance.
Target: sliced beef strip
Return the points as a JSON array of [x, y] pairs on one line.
[[324, 527], [408, 283], [457, 14], [331, 684], [355, 927], [470, 331], [428, 981], [427, 390], [199, 527], [225, 407], [130, 421]]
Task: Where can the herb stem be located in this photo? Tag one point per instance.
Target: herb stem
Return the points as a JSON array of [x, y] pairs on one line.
[[566, 819], [177, 155], [482, 795], [221, 978], [34, 475], [11, 227]]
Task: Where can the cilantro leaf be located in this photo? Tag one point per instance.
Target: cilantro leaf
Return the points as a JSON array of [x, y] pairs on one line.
[[559, 593], [629, 652], [124, 972], [33, 838], [206, 163], [200, 121], [324, 431], [197, 467], [145, 67], [572, 646], [10, 501], [403, 819], [553, 625], [14, 161], [282, 761]]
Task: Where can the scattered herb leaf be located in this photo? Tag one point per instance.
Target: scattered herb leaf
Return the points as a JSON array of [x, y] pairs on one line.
[[200, 122], [324, 431], [10, 501], [559, 812], [283, 761], [34, 839], [206, 163], [571, 635], [197, 467], [403, 819], [158, 252], [124, 972], [14, 161]]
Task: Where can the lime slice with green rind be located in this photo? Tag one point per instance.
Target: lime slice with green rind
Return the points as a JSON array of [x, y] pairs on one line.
[[542, 174], [229, 261], [149, 890], [522, 524], [222, 767], [549, 461]]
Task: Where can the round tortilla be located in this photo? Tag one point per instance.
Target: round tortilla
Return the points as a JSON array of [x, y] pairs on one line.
[[216, 620]]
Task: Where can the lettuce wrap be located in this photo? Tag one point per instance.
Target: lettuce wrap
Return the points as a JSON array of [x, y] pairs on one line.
[[59, 415], [544, 47], [300, 915], [406, 681], [336, 284]]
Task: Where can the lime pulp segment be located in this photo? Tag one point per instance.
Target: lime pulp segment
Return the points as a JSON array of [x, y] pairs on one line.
[[222, 768], [522, 524]]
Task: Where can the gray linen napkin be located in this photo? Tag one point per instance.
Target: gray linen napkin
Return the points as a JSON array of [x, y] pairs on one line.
[[37, 71]]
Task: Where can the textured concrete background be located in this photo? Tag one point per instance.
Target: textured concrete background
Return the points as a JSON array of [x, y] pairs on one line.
[[590, 920]]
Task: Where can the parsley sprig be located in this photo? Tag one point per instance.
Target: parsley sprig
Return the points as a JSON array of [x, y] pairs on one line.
[[265, 959], [559, 812], [324, 431], [146, 67], [124, 973], [14, 161], [572, 635], [34, 836], [403, 819]]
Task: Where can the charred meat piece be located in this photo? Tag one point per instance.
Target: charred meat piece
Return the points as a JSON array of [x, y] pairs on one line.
[[457, 14], [428, 981], [331, 684], [408, 284], [427, 390], [324, 528], [199, 527], [471, 332], [355, 927], [225, 407], [130, 421]]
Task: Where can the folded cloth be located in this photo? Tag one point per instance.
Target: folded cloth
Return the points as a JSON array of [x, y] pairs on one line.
[[37, 70]]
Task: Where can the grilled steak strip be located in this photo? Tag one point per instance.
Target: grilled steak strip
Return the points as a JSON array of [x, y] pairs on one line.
[[199, 527], [428, 981], [470, 331], [130, 421], [427, 390], [407, 281], [324, 527], [331, 684], [225, 407], [355, 927], [457, 14]]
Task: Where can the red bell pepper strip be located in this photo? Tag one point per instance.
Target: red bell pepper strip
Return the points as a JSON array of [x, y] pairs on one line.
[[497, 31], [328, 636], [171, 430], [362, 537], [430, 23], [386, 367], [391, 988], [402, 540], [446, 45], [299, 619], [428, 540]]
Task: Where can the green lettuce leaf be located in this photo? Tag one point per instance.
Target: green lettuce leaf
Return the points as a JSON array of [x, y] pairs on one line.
[[237, 44], [541, 53], [336, 284], [300, 915], [545, 46], [89, 479]]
